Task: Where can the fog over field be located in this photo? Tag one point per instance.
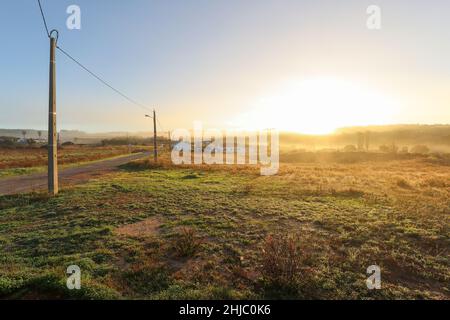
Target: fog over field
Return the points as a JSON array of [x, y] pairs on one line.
[[437, 137]]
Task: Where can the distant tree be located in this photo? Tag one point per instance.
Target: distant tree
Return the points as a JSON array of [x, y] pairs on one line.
[[8, 141], [389, 149], [384, 148], [404, 149], [367, 140], [24, 133], [420, 149], [39, 135], [360, 137], [394, 148], [350, 148]]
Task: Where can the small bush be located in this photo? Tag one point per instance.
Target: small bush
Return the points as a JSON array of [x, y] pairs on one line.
[[402, 183], [350, 148], [282, 262], [388, 149], [187, 243], [420, 149]]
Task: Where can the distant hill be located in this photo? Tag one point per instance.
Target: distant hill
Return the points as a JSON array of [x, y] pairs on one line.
[[436, 137], [397, 127]]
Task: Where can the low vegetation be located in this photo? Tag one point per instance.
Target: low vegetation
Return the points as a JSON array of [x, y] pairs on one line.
[[283, 263], [25, 160], [186, 243], [163, 232]]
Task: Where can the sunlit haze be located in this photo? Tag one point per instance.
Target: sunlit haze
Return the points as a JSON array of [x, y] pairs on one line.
[[319, 106], [302, 66]]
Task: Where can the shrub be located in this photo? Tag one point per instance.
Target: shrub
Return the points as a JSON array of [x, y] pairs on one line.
[[388, 149], [404, 149], [8, 141], [402, 183], [30, 141], [420, 149], [350, 148], [187, 243], [282, 261]]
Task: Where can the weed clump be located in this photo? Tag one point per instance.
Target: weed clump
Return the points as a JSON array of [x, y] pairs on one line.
[[282, 263], [402, 183], [187, 243]]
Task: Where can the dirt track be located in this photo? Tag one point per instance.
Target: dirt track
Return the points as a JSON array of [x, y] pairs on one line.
[[69, 176]]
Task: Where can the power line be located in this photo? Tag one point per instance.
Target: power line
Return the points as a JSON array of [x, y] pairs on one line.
[[52, 154], [43, 18], [89, 71], [103, 81], [160, 125]]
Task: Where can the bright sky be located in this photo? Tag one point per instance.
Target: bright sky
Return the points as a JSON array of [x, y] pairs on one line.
[[306, 66]]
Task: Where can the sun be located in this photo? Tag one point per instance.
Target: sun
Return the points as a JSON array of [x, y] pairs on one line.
[[319, 106]]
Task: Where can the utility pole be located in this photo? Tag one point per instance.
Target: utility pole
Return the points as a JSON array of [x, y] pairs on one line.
[[170, 142], [128, 143], [155, 147], [52, 143]]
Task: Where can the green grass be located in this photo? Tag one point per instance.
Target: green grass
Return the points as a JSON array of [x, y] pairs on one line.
[[6, 173], [28, 160], [13, 172], [343, 232]]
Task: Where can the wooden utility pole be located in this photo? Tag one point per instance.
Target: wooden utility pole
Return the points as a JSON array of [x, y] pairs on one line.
[[170, 142], [52, 143], [155, 147]]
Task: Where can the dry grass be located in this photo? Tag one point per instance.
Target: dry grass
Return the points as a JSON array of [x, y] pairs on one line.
[[35, 157], [346, 217], [142, 229]]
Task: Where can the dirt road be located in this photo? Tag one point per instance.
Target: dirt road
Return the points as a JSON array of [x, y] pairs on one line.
[[69, 176]]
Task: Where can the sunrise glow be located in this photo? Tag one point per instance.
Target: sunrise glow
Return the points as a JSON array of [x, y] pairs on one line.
[[319, 106]]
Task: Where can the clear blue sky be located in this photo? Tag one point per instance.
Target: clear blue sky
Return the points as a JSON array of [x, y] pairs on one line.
[[211, 60]]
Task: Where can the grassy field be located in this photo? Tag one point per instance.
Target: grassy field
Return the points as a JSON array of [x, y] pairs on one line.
[[29, 160], [164, 232]]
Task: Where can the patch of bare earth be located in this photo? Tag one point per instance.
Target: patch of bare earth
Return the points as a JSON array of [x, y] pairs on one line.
[[145, 228]]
